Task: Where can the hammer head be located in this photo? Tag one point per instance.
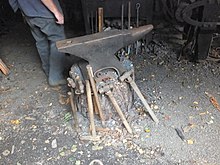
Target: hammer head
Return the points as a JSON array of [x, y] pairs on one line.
[[106, 88], [126, 75]]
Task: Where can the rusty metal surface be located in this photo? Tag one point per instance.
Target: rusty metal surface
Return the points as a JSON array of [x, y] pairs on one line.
[[99, 49]]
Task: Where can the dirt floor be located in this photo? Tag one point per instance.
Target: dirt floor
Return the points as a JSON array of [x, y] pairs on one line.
[[36, 125]]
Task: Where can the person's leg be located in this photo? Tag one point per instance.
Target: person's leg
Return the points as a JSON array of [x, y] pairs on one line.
[[42, 43], [55, 33]]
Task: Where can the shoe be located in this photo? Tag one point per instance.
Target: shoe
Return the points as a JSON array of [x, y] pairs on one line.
[[57, 82]]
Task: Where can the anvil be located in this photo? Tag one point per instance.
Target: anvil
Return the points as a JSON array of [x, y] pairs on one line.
[[99, 49]]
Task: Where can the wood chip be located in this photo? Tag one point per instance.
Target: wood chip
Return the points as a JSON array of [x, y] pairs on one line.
[[213, 100], [190, 141], [100, 129]]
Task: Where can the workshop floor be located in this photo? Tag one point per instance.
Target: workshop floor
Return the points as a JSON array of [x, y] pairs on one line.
[[36, 122]]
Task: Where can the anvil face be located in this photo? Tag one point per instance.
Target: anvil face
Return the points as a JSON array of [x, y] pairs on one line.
[[99, 49]]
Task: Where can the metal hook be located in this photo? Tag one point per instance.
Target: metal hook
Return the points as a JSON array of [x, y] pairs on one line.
[[138, 5]]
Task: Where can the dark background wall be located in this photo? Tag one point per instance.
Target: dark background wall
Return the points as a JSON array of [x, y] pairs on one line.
[[72, 11]]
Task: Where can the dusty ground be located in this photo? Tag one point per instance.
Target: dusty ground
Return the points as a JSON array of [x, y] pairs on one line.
[[36, 125]]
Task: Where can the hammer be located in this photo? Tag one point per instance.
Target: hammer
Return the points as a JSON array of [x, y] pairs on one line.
[[107, 90], [94, 137], [127, 77], [92, 81]]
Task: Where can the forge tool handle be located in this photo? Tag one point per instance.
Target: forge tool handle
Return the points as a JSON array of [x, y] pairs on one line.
[[138, 92], [90, 107], [92, 81], [127, 77], [118, 109], [74, 109]]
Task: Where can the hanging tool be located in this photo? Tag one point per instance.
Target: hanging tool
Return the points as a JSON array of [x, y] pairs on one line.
[[127, 77], [122, 17], [96, 22], [92, 22], [129, 14], [129, 24], [92, 81], [100, 18], [138, 5]]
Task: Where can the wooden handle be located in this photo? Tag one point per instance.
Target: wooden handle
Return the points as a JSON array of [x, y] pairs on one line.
[[118, 109], [95, 92], [74, 109], [3, 68], [100, 19], [90, 107]]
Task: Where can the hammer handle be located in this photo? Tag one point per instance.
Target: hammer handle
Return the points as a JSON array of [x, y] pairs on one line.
[[90, 107], [138, 92], [100, 16], [92, 81], [74, 109], [118, 109]]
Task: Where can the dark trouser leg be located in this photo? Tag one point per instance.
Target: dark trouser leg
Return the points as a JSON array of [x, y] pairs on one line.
[[42, 45], [56, 65], [53, 32], [43, 50]]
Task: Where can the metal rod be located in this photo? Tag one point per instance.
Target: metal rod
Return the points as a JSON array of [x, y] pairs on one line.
[[138, 5], [122, 16], [92, 22], [96, 22], [129, 14]]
